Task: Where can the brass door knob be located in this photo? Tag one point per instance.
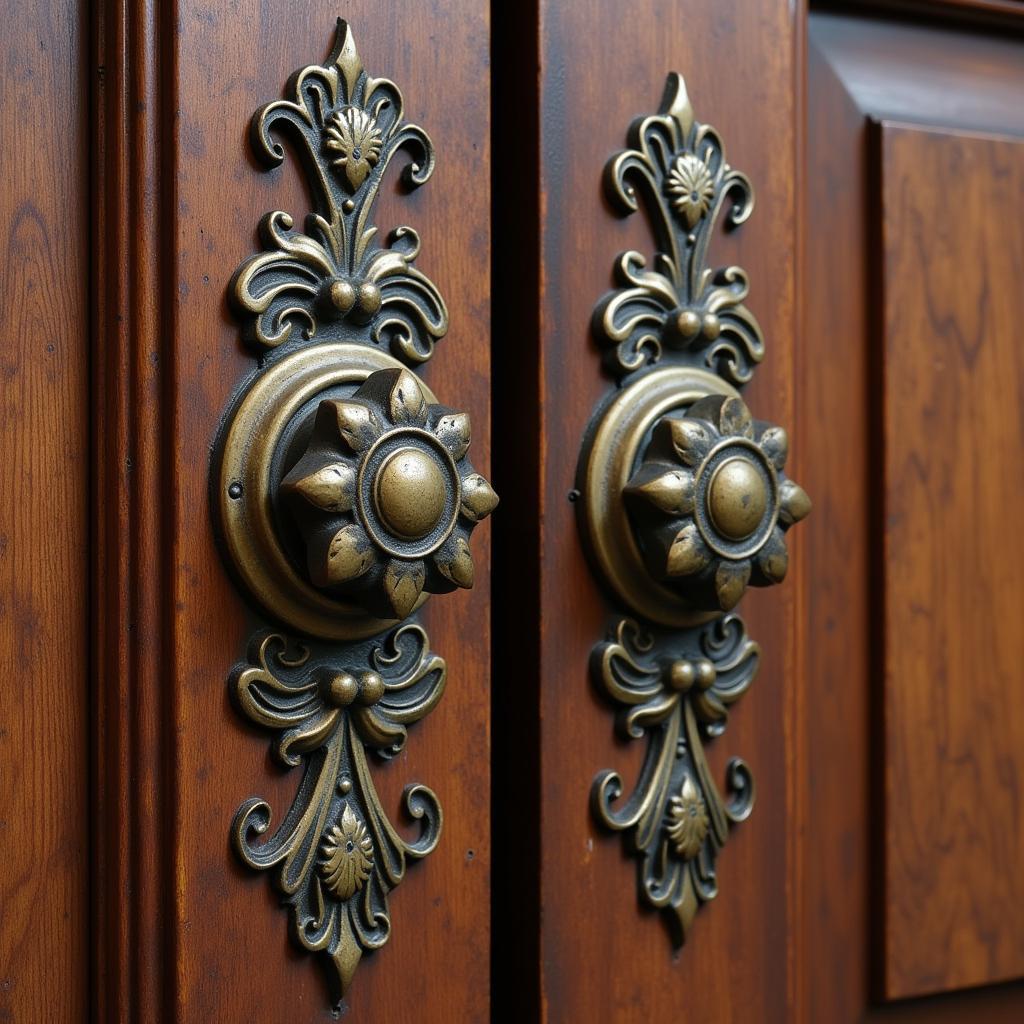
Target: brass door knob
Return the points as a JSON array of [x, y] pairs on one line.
[[384, 497], [345, 493], [710, 503]]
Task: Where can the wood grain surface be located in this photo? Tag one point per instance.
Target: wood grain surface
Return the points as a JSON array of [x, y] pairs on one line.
[[44, 516], [235, 960], [861, 71], [603, 957], [953, 698], [133, 346], [884, 729], [187, 933]]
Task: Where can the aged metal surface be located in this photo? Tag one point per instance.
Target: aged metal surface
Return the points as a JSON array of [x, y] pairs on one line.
[[336, 854], [343, 496], [675, 690], [683, 503]]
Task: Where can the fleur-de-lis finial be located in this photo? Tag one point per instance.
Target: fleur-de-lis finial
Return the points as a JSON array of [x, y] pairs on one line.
[[333, 281]]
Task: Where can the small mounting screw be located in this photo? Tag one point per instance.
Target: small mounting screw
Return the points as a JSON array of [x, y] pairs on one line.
[[235, 490]]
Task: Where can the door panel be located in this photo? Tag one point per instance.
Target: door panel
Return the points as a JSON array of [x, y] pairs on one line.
[[907, 771], [210, 938], [953, 700], [877, 877], [603, 955]]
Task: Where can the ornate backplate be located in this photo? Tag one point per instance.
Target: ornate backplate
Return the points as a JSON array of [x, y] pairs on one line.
[[343, 496], [683, 503]]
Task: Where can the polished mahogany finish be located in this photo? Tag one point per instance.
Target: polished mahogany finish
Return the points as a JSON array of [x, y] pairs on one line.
[[44, 517], [863, 308]]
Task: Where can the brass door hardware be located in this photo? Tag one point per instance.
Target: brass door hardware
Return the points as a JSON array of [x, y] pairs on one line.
[[343, 497], [683, 503]]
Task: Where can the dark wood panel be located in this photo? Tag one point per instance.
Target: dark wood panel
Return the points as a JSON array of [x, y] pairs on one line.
[[839, 438], [44, 517], [834, 417], [235, 961], [929, 72], [603, 957], [133, 343], [953, 699]]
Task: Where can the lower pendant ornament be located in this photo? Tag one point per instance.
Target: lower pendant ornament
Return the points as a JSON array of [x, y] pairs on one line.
[[336, 854], [676, 692]]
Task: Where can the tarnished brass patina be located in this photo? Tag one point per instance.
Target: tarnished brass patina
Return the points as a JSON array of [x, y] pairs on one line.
[[683, 502], [336, 856], [409, 493], [610, 455], [343, 496], [383, 496], [709, 503], [675, 690], [249, 487]]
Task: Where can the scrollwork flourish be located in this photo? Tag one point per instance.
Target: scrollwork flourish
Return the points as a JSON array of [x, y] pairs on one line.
[[336, 854], [332, 280], [682, 309], [676, 692]]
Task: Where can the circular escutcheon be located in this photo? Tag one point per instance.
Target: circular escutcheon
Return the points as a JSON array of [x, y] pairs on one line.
[[611, 453], [243, 479]]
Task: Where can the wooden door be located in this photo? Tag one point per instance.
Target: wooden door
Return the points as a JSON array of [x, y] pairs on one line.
[[133, 196], [878, 874], [910, 307]]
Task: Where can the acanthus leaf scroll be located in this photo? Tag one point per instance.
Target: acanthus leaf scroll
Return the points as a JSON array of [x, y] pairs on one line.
[[675, 690], [682, 309], [336, 855]]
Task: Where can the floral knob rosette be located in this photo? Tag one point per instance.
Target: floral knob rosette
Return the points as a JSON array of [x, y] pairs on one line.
[[385, 498], [711, 504]]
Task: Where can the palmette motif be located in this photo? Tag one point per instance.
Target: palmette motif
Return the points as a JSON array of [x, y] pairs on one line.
[[682, 309], [333, 280]]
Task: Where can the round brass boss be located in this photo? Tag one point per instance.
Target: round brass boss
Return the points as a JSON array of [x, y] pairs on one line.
[[608, 461], [244, 479], [409, 493], [737, 498]]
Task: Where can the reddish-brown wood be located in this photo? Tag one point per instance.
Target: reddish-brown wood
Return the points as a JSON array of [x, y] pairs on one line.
[[953, 700], [832, 381], [44, 517], [133, 431], [860, 70], [234, 958], [602, 957], [838, 890]]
